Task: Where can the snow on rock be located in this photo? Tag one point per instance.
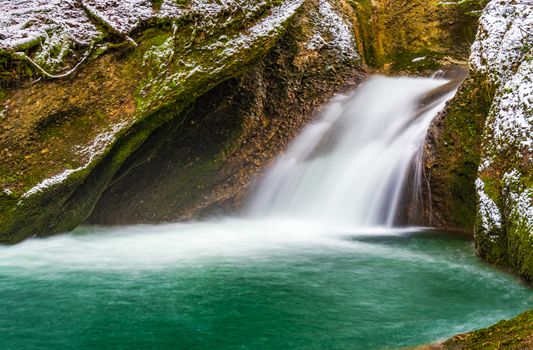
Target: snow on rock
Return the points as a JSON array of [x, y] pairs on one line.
[[488, 210], [3, 112], [26, 21], [89, 152], [123, 16], [29, 21], [211, 9], [520, 199], [56, 25], [513, 111], [509, 126], [226, 46], [265, 28], [215, 54], [504, 38], [332, 32], [502, 54]]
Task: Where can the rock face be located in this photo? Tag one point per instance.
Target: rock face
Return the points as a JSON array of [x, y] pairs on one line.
[[416, 35], [480, 153], [503, 54], [62, 141], [120, 77]]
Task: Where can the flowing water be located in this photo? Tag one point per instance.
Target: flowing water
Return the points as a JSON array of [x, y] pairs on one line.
[[315, 263], [349, 168]]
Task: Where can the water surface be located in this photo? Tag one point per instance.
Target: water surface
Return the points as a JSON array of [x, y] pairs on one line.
[[241, 284]]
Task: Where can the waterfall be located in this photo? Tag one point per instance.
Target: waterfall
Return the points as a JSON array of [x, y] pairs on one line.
[[350, 167]]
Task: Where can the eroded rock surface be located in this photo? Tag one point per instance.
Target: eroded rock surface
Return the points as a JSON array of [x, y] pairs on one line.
[[93, 90]]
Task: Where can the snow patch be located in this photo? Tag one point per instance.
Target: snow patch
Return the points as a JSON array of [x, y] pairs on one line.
[[513, 109], [226, 47], [484, 164], [503, 39], [502, 53], [330, 25], [418, 59], [490, 214], [123, 16], [90, 152], [3, 112], [25, 21], [520, 199]]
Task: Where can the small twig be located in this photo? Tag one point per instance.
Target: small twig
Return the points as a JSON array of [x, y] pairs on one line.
[[49, 75]]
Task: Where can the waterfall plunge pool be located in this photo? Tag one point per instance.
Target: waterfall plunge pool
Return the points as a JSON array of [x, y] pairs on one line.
[[244, 284]]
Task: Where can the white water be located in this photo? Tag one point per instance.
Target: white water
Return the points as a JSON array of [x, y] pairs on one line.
[[349, 168], [343, 174]]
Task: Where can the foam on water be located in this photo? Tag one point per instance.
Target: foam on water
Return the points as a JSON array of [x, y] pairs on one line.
[[158, 246], [315, 263]]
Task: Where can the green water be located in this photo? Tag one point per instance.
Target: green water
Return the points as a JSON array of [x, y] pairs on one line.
[[343, 292]]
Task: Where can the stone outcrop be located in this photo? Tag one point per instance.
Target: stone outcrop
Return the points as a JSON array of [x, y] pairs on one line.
[[480, 149], [203, 163], [63, 140]]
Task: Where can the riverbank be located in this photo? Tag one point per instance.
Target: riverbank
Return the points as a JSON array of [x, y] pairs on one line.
[[516, 333]]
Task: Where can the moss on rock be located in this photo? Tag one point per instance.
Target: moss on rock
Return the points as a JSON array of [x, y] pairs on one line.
[[414, 36], [62, 141], [204, 161], [479, 149], [452, 157], [516, 333]]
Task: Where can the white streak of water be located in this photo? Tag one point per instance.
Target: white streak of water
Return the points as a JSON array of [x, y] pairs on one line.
[[350, 167]]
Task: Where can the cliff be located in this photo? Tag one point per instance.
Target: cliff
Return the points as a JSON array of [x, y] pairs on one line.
[[479, 155]]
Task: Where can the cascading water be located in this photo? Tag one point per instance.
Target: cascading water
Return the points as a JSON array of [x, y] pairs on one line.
[[349, 168]]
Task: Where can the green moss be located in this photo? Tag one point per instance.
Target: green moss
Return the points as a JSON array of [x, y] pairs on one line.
[[516, 333], [13, 69], [457, 155], [391, 34]]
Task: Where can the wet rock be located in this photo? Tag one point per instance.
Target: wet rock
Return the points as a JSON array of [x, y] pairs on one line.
[[480, 149]]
